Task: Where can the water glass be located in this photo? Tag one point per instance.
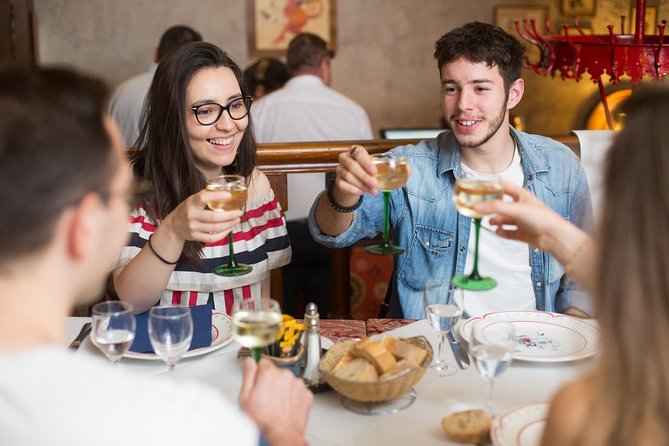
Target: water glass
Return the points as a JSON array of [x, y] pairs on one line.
[[113, 328], [443, 308], [170, 332]]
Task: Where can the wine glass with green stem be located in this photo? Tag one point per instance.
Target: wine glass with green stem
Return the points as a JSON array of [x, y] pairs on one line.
[[469, 191], [256, 324], [236, 186], [392, 172]]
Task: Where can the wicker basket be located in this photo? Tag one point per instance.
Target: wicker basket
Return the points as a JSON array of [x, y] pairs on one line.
[[382, 390]]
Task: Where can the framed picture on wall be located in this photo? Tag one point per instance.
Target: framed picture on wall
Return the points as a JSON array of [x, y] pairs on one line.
[[271, 24], [650, 22], [506, 16], [578, 7]]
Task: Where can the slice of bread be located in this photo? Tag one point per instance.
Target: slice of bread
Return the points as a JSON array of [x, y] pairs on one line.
[[468, 427], [343, 361], [358, 370], [376, 354], [400, 367], [402, 349]]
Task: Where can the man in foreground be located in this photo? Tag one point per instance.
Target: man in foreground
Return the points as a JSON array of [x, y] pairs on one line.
[[65, 185], [479, 66]]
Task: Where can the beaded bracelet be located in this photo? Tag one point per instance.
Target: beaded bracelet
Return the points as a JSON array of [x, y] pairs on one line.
[[337, 207], [158, 255]]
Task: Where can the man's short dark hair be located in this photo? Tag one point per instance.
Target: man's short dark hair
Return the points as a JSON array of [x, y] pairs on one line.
[[54, 149], [306, 50], [176, 36], [482, 42]]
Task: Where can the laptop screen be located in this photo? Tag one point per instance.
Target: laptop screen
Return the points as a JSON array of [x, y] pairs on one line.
[[415, 133]]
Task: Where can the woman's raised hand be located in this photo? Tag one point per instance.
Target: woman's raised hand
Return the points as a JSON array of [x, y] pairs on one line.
[[193, 220]]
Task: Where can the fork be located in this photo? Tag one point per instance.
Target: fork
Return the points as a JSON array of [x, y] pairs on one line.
[[85, 331]]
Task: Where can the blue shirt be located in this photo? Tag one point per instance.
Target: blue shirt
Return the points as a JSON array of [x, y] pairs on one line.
[[425, 222]]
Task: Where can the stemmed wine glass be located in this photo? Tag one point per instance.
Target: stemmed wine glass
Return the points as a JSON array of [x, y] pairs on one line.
[[256, 325], [492, 346], [113, 328], [170, 332], [392, 172], [468, 192], [236, 185], [443, 308]]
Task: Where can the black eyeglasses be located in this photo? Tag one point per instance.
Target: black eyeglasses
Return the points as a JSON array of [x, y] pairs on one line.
[[210, 113], [135, 195]]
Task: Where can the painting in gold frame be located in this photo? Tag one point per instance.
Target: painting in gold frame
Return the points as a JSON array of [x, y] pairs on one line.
[[271, 24], [572, 8]]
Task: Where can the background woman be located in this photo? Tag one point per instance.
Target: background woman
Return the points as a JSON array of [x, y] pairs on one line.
[[625, 399], [175, 241]]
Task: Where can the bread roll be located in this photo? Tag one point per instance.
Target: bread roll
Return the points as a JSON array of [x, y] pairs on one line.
[[402, 349], [376, 354], [357, 370], [468, 427], [401, 366], [343, 361]]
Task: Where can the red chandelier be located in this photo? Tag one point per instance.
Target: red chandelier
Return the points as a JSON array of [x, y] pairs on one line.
[[573, 53]]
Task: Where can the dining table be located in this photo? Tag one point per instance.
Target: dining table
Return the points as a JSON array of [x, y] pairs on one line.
[[523, 384]]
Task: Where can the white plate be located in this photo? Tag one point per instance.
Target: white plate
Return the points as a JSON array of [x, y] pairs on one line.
[[221, 335], [542, 336], [520, 427]]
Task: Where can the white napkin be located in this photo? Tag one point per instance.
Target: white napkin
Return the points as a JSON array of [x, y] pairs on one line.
[[594, 148]]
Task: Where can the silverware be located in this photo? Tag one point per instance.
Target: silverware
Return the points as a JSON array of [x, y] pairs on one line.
[[85, 331], [461, 356]]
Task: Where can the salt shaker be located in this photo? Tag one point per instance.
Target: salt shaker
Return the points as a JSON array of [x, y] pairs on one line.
[[311, 375]]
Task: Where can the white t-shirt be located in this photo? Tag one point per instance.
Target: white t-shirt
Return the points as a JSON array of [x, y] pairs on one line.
[[127, 102], [49, 396], [305, 109], [507, 261]]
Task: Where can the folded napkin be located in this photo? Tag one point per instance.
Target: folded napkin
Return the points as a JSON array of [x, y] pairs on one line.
[[201, 315]]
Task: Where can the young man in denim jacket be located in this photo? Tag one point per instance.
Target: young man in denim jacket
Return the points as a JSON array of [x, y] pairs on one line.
[[480, 67]]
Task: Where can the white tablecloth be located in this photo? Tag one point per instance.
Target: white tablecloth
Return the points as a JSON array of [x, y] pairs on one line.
[[420, 424]]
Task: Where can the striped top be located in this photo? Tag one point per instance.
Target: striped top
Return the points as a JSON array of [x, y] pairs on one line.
[[260, 240]]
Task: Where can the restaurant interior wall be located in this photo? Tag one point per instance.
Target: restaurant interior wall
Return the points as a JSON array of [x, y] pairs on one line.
[[384, 49]]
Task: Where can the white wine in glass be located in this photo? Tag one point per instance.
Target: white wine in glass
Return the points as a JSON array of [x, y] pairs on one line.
[[468, 192], [113, 328], [236, 186], [256, 325], [392, 172]]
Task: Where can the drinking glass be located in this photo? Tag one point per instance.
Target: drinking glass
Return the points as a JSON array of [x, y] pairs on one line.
[[443, 308], [468, 192], [236, 186], [113, 328], [170, 332], [256, 325], [492, 346], [392, 172]]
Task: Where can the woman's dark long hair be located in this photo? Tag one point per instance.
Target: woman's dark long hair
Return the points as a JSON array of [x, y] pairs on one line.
[[631, 394], [162, 154]]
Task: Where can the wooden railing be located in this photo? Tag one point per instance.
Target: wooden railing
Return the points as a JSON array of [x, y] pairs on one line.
[[278, 160]]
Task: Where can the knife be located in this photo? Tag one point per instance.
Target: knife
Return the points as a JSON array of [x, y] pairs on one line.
[[461, 356], [85, 331]]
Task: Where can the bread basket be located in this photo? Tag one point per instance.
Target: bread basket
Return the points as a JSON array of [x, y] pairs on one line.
[[382, 390]]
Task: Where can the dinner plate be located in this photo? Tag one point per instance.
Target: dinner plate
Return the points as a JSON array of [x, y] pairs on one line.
[[520, 427], [542, 336], [221, 335]]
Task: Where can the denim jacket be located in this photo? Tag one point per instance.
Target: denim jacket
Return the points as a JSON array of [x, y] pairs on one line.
[[435, 236]]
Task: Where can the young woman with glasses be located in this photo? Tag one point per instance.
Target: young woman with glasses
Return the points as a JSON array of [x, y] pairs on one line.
[[195, 126]]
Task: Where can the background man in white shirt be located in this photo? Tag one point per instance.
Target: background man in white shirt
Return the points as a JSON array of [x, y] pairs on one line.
[[64, 185], [307, 109], [127, 101]]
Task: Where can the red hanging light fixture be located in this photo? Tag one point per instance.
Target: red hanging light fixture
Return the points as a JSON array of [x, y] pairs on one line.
[[573, 52]]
